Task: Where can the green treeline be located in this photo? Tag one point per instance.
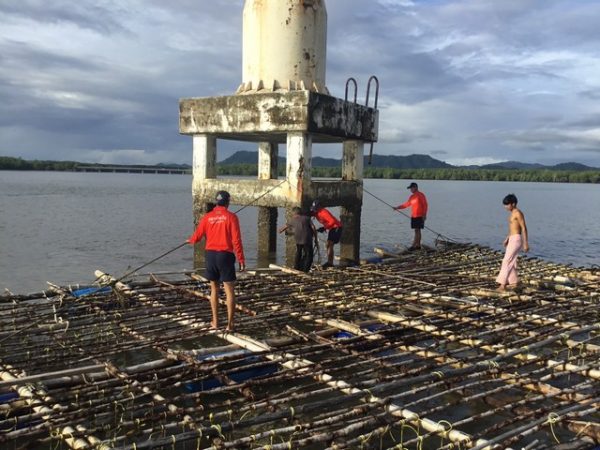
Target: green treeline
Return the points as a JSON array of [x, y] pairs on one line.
[[455, 173], [9, 163], [534, 175]]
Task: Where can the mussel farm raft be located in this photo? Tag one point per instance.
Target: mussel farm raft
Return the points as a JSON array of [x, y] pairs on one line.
[[419, 352]]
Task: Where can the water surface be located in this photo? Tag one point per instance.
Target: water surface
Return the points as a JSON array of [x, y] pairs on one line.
[[61, 226]]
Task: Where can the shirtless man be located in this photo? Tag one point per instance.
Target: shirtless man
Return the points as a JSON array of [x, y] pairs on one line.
[[516, 239]]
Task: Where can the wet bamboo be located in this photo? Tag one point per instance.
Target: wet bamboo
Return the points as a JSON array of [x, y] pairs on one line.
[[519, 380], [537, 424], [523, 317], [343, 386], [40, 401], [499, 349]]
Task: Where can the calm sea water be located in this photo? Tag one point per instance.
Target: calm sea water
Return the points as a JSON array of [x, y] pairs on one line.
[[61, 226]]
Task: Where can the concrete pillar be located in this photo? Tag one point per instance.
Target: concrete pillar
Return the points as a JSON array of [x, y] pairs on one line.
[[352, 170], [204, 166], [267, 216], [353, 161], [298, 166]]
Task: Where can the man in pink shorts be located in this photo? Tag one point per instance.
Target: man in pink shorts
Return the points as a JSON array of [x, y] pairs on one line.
[[516, 239]]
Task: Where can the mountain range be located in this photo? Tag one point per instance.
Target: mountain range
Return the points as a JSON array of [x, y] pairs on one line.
[[409, 162]]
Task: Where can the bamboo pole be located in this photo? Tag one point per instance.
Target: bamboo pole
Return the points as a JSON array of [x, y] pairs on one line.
[[499, 349]]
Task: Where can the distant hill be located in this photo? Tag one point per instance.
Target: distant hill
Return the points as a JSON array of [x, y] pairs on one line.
[[571, 166], [393, 161], [525, 166], [513, 165], [409, 162]]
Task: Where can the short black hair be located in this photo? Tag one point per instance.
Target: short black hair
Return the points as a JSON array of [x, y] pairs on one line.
[[510, 199]]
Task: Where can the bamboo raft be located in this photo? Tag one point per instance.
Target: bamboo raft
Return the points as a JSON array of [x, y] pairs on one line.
[[417, 353]]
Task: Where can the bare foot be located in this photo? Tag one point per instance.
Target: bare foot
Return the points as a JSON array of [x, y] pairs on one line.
[[230, 328], [501, 288], [214, 325]]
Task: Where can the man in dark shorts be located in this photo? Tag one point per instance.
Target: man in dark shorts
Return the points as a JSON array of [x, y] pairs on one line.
[[330, 224], [418, 205], [223, 243], [304, 234]]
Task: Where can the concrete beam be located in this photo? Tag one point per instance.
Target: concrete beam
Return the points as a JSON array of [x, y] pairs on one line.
[[271, 116], [281, 193]]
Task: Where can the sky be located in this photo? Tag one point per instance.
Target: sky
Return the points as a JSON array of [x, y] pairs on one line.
[[464, 81]]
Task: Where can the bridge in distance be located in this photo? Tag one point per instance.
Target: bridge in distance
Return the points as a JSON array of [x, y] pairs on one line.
[[134, 169]]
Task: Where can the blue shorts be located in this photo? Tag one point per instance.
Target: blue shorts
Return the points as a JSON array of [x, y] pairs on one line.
[[334, 235], [220, 266], [417, 222]]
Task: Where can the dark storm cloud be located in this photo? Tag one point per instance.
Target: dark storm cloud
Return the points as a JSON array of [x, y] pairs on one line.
[[82, 14], [591, 94], [480, 79], [366, 41], [591, 121]]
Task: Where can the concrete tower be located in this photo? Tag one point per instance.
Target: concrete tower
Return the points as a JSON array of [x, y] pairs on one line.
[[283, 99], [284, 48]]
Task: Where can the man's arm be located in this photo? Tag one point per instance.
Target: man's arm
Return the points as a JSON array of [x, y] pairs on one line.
[[313, 230], [523, 225], [236, 240], [406, 204], [199, 233]]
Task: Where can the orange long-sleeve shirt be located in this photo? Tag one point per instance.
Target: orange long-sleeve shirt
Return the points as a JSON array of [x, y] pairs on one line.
[[417, 203], [222, 230], [327, 219]]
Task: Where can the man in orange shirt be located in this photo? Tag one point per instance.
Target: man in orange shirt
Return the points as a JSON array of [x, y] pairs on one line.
[[330, 224], [418, 205], [223, 243]]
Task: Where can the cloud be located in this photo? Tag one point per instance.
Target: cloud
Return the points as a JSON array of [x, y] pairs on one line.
[[86, 15], [462, 79]]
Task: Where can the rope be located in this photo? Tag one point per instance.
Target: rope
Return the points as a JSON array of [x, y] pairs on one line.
[[553, 418], [260, 196], [131, 272], [391, 275], [150, 262], [404, 214]]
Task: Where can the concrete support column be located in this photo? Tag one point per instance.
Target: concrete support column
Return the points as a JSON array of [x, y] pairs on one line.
[[352, 170], [204, 166], [268, 154], [298, 166], [353, 160], [267, 217], [298, 160]]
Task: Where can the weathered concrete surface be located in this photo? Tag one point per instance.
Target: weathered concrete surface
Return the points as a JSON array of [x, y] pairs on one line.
[[267, 216], [284, 45], [283, 194], [270, 116], [267, 232], [204, 156], [353, 160], [352, 170], [268, 160], [350, 240]]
